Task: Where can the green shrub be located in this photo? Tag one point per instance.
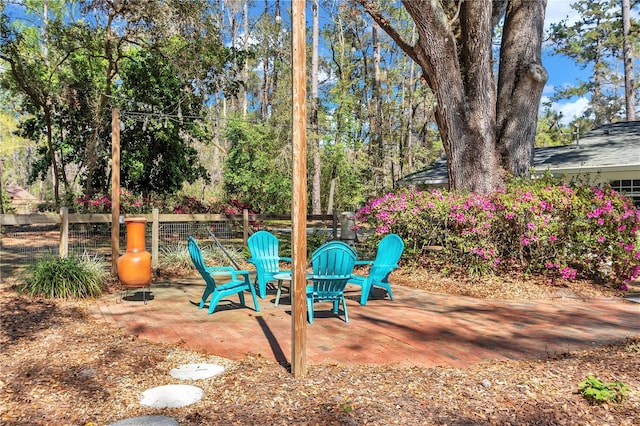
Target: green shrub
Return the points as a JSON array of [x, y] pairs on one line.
[[598, 392], [70, 277]]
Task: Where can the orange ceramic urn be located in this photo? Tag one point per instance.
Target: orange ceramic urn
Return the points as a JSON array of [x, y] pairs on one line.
[[134, 266]]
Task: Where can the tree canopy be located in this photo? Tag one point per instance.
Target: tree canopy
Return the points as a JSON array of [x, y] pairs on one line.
[[203, 84]]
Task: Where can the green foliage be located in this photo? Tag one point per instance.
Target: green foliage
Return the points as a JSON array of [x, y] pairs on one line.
[[540, 226], [70, 277], [550, 130], [258, 170], [633, 346], [598, 392], [595, 39], [348, 174], [156, 156], [6, 203]]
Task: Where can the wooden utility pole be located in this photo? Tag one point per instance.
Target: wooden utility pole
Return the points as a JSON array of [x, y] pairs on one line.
[[299, 190], [115, 190]]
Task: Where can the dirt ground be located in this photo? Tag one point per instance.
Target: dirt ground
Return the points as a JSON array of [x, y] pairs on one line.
[[62, 367]]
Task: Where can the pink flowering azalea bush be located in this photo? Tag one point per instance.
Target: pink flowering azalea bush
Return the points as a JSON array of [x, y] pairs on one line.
[[129, 203], [540, 226]]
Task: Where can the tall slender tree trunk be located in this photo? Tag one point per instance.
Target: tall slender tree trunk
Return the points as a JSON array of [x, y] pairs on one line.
[[245, 69], [377, 134], [627, 50], [47, 108], [316, 206], [409, 136]]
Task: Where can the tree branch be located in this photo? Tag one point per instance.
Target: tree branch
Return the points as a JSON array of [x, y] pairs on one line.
[[384, 23]]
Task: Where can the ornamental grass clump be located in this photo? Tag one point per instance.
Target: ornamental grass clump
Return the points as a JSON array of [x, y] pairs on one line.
[[69, 277], [540, 226], [175, 260]]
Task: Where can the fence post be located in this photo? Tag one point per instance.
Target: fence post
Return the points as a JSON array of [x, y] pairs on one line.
[[335, 225], [245, 226], [64, 232], [155, 236]]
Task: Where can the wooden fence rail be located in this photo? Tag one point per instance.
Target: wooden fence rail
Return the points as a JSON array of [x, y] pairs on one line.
[[64, 219]]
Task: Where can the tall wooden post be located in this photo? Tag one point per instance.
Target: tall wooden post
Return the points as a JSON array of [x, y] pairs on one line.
[[299, 190], [115, 190]]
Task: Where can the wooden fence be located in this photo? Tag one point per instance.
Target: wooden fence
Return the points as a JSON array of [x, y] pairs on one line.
[[246, 223]]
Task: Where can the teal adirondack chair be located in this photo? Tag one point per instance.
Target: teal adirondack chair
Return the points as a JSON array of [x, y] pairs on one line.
[[390, 249], [239, 280], [332, 264], [264, 246]]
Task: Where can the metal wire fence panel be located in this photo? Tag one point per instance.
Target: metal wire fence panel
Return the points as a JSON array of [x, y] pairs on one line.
[[28, 244], [28, 239], [91, 240], [176, 233]]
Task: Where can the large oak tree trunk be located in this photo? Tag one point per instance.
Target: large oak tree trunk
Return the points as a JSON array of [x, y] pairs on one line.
[[455, 52], [521, 80]]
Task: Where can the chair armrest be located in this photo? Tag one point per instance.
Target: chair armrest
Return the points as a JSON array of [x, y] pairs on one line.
[[219, 269], [226, 270], [364, 262], [286, 259]]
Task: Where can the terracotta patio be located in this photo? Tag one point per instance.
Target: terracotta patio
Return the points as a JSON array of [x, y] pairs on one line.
[[417, 329]]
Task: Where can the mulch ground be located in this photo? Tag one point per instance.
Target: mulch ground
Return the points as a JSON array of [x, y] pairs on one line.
[[62, 367]]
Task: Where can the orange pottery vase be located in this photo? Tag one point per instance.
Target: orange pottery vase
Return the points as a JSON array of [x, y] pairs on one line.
[[134, 266]]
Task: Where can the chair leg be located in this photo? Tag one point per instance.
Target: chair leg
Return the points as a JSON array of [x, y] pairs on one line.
[[310, 310], [262, 289], [252, 289], [241, 297], [344, 308], [366, 290], [388, 287], [205, 295], [279, 292], [214, 302]]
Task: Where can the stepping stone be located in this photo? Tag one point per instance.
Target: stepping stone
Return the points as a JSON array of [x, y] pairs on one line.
[[146, 420], [196, 371], [171, 396]]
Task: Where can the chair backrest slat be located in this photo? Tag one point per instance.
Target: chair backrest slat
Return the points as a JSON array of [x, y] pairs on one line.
[[390, 249], [332, 264], [196, 257], [264, 247]]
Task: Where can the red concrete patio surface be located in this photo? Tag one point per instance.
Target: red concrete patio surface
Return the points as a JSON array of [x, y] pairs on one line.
[[417, 329]]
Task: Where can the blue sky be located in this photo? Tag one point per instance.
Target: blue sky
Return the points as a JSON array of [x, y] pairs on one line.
[[562, 71]]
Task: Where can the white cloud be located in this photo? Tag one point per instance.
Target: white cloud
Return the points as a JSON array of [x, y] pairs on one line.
[[570, 110], [557, 10], [548, 90]]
